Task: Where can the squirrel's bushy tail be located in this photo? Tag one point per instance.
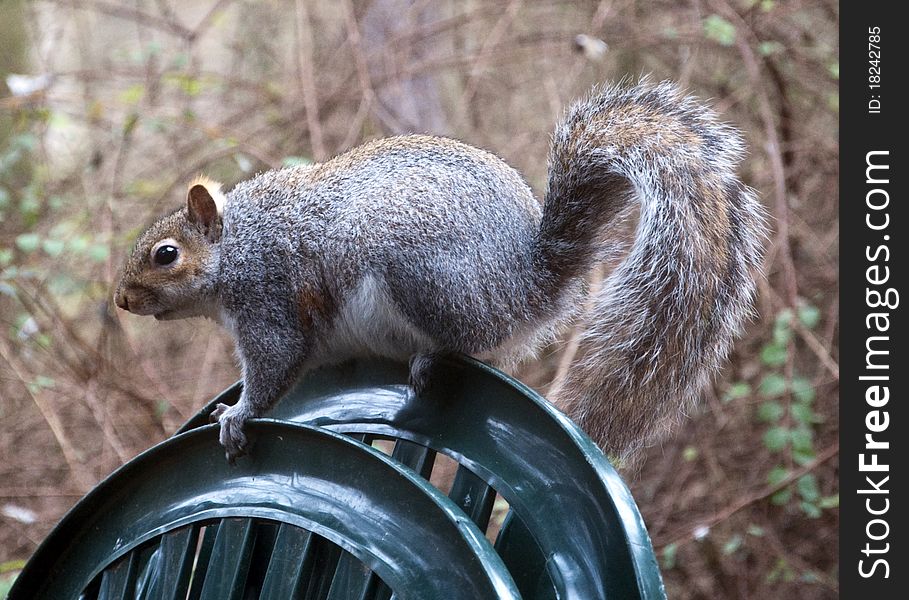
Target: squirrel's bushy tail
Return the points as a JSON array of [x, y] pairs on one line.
[[666, 316]]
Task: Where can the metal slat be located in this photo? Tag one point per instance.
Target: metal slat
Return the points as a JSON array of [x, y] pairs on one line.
[[118, 582], [474, 496], [203, 557], [352, 579], [229, 565], [173, 561], [290, 564], [419, 458], [325, 562]]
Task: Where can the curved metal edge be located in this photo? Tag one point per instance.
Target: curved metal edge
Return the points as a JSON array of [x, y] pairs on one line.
[[32, 581], [647, 570], [637, 540]]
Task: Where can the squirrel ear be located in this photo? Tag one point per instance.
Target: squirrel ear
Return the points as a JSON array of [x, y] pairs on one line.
[[203, 212]]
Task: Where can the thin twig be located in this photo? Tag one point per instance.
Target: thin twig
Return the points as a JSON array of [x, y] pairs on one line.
[[83, 478], [130, 14], [688, 532], [306, 78]]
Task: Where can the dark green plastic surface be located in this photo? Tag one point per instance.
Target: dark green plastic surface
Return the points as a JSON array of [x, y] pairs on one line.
[[135, 529], [574, 532]]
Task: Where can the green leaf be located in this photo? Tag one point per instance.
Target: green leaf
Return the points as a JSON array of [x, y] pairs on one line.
[[44, 382], [829, 501], [809, 577], [781, 497], [803, 390], [733, 544], [770, 411], [776, 438], [737, 391], [689, 453], [770, 47], [777, 474], [98, 252], [807, 487], [79, 244], [772, 385], [719, 30], [774, 355], [669, 555], [28, 242], [809, 316], [295, 161], [784, 317], [133, 94], [756, 530], [811, 510], [6, 256], [802, 439], [803, 413], [161, 408], [4, 198], [782, 332], [53, 247], [803, 457]]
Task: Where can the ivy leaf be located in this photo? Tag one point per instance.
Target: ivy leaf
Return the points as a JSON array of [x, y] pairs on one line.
[[770, 47], [802, 439], [98, 252], [733, 544], [295, 161], [810, 509], [809, 316], [777, 474], [774, 355], [807, 487], [803, 390], [772, 385], [776, 438], [803, 457], [829, 501], [781, 497], [803, 413], [719, 30], [737, 391], [770, 411], [669, 554], [53, 247], [28, 242]]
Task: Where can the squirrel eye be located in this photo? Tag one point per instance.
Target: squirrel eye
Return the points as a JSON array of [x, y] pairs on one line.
[[165, 255]]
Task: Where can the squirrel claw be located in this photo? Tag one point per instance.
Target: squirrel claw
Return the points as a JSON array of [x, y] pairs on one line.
[[215, 415], [232, 437]]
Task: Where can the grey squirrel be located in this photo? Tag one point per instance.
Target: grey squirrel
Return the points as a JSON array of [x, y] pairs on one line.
[[415, 246]]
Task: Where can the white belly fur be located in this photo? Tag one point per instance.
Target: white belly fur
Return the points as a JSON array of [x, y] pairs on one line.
[[369, 324]]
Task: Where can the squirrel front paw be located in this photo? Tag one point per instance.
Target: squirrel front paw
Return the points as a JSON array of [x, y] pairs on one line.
[[232, 420]]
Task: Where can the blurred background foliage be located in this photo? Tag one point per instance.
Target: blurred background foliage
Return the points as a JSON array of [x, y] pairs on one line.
[[108, 108]]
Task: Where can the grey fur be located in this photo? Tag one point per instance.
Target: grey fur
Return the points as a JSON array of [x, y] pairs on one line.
[[413, 246]]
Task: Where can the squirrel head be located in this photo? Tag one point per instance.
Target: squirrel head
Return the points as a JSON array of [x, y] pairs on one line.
[[173, 269]]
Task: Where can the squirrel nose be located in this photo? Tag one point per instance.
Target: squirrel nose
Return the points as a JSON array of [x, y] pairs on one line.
[[122, 300]]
